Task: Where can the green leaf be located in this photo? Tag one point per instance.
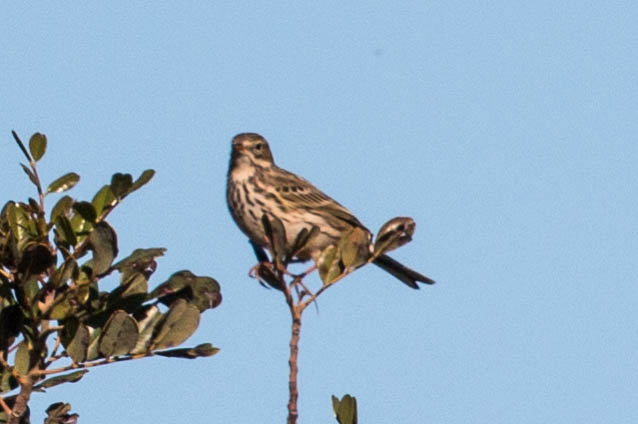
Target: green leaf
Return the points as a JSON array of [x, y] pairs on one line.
[[75, 339], [119, 336], [141, 260], [8, 381], [202, 350], [202, 292], [62, 207], [21, 145], [22, 359], [180, 323], [142, 180], [64, 183], [345, 409], [66, 303], [19, 221], [121, 184], [148, 321], [86, 211], [93, 351], [64, 272], [30, 174], [61, 379], [354, 247], [103, 243], [329, 265], [37, 146], [65, 230], [103, 200], [58, 413]]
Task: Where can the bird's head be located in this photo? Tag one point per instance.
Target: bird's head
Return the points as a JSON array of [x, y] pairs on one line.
[[250, 149]]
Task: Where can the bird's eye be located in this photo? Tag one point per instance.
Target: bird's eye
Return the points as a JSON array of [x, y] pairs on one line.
[[259, 146]]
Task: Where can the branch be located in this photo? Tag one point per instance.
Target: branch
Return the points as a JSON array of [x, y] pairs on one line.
[[91, 364], [5, 407]]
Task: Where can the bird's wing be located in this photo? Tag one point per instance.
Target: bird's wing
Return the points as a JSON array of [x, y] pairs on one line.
[[301, 193]]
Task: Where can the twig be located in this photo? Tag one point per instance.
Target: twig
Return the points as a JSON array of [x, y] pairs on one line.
[[91, 364], [5, 407]]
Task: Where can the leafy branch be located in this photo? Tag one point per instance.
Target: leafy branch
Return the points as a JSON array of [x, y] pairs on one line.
[[353, 251], [51, 298]]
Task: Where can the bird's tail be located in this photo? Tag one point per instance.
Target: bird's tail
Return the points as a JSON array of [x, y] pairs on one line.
[[402, 272]]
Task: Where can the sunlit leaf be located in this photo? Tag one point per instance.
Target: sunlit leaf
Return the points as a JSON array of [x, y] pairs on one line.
[[62, 207], [64, 272], [64, 183], [354, 247], [141, 260], [345, 409], [103, 200], [37, 146], [329, 265]]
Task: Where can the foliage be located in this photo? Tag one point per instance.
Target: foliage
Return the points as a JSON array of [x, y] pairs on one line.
[[345, 409], [53, 307]]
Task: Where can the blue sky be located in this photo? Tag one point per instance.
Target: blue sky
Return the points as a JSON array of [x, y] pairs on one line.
[[507, 130]]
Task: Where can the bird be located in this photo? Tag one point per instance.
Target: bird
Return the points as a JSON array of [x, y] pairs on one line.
[[256, 187]]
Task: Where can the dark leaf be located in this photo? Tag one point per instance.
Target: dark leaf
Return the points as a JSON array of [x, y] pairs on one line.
[[8, 381], [121, 184], [58, 413], [276, 234], [21, 145], [10, 324], [75, 339], [119, 336], [203, 292], [30, 174], [202, 350], [37, 146], [61, 379], [131, 294], [86, 211], [103, 243], [141, 260], [266, 275], [64, 183], [67, 302], [64, 272], [142, 180], [180, 323], [36, 259], [301, 240], [65, 231], [394, 233], [345, 409]]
